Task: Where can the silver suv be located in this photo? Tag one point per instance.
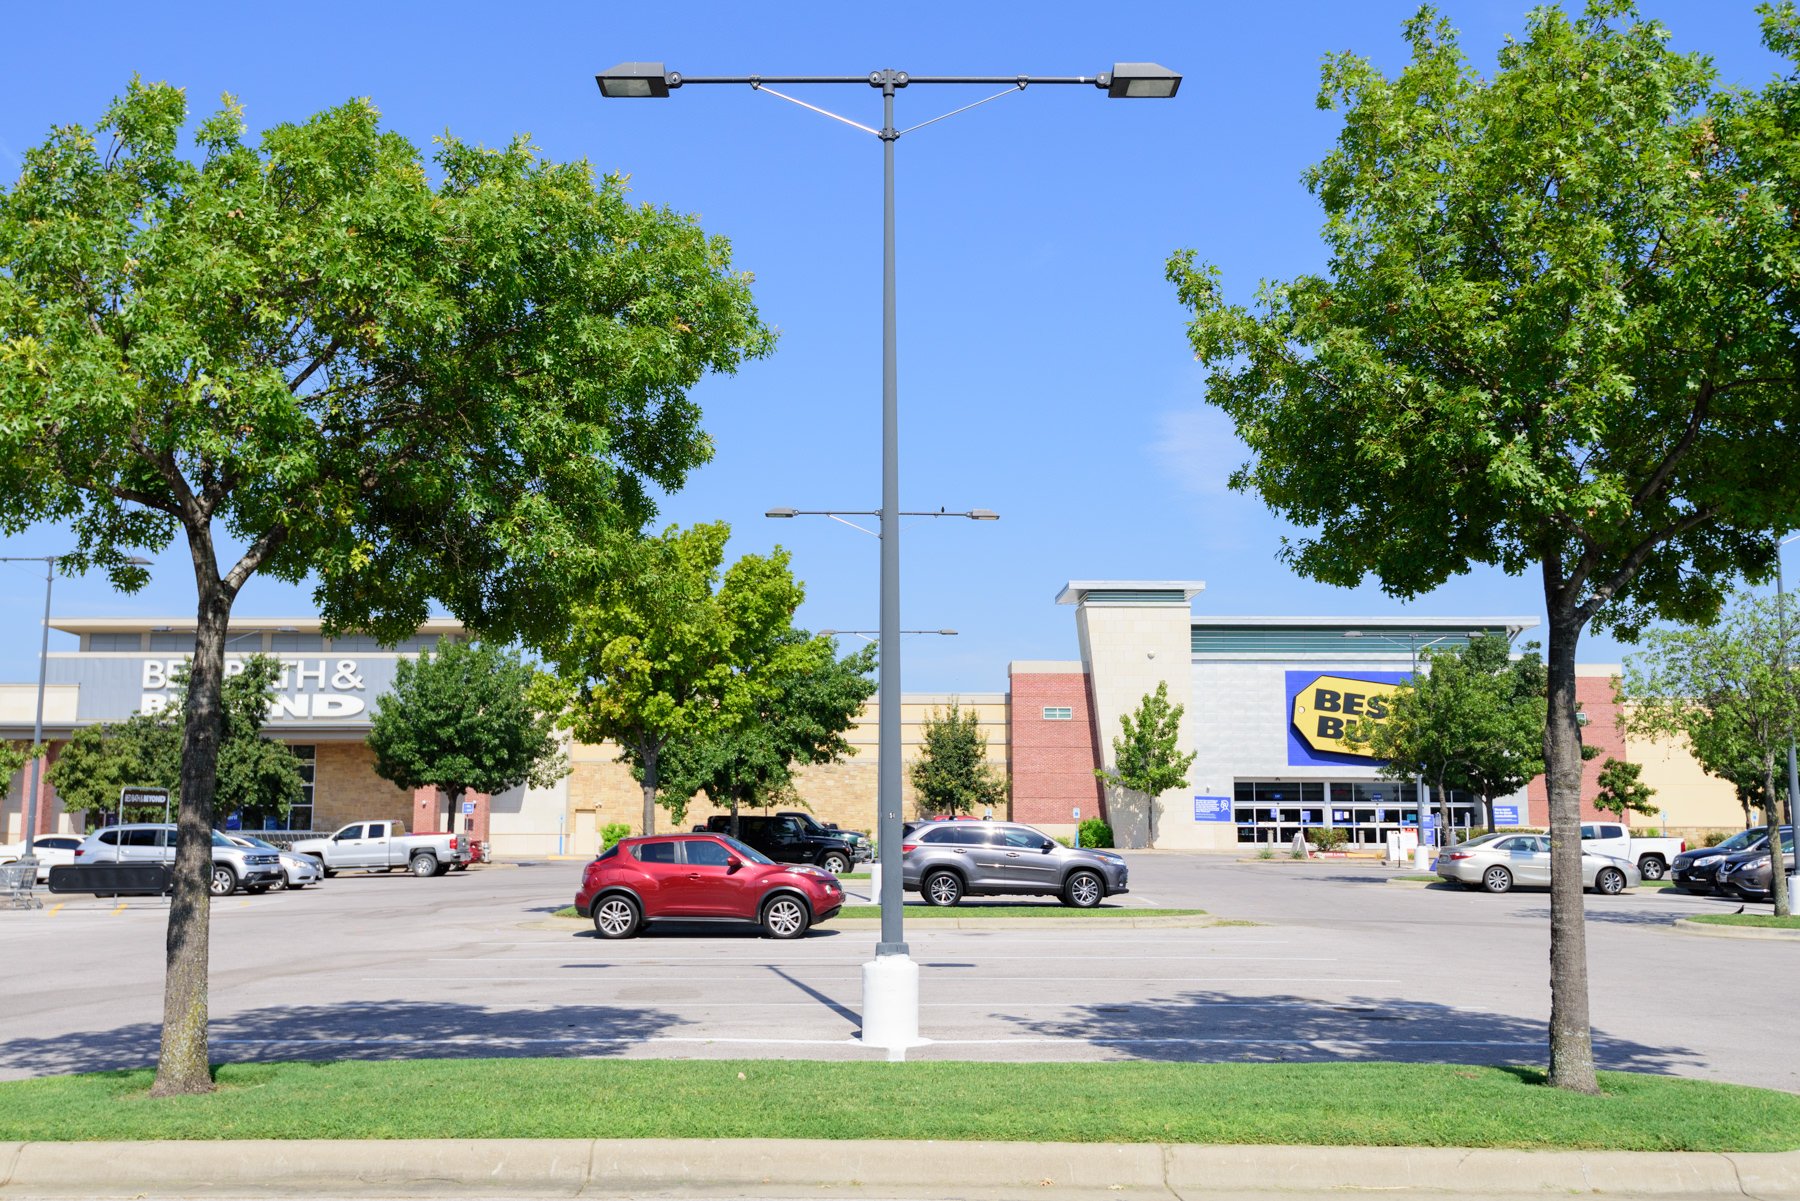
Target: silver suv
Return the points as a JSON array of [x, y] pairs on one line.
[[233, 866], [946, 861]]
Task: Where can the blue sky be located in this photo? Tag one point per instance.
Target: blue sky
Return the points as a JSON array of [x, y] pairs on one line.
[[1043, 368]]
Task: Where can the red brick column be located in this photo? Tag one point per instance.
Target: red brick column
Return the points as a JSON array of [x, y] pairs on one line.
[[475, 825], [425, 810]]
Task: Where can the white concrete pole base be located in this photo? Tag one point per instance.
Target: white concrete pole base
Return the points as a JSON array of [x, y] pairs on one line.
[[890, 1016], [1422, 858], [875, 882]]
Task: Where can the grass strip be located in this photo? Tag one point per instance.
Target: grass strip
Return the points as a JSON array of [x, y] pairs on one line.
[[1422, 879], [1360, 1104], [1767, 921]]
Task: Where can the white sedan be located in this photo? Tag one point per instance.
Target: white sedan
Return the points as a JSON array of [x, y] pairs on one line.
[[51, 850], [297, 871]]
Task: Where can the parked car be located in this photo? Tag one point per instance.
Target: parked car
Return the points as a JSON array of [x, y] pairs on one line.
[[1748, 874], [297, 871], [233, 866], [50, 850], [946, 861], [1498, 862], [785, 840], [384, 846], [1695, 870], [1652, 855], [860, 846], [702, 877]]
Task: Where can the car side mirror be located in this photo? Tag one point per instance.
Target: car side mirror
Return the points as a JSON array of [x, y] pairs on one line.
[[1047, 847], [732, 863]]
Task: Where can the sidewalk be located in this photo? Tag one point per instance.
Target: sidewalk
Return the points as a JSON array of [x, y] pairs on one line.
[[874, 1170]]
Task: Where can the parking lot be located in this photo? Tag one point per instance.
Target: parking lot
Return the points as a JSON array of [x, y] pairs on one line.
[[1338, 965]]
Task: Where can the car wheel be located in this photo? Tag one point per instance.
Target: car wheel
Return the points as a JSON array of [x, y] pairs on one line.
[[280, 883], [942, 888], [222, 882], [786, 917], [461, 867], [1652, 868], [1084, 890], [617, 917], [835, 863], [424, 865], [256, 890], [1610, 882], [1496, 880]]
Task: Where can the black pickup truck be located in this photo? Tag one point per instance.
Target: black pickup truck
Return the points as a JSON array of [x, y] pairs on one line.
[[785, 840]]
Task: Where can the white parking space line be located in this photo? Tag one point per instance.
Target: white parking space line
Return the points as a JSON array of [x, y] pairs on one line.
[[510, 959], [1036, 980]]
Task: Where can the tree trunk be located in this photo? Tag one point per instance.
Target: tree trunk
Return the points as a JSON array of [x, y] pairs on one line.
[[1777, 863], [452, 806], [734, 815], [1571, 1034], [650, 756], [1487, 809], [184, 1065]]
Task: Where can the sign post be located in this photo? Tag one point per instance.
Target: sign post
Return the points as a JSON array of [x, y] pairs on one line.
[[1076, 814], [133, 795]]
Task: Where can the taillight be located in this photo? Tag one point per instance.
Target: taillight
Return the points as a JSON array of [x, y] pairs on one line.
[[907, 846], [1684, 844], [1457, 855], [79, 852]]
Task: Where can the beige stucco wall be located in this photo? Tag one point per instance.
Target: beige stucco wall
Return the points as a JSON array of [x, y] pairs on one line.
[[600, 791], [1691, 801], [18, 704], [1128, 649]]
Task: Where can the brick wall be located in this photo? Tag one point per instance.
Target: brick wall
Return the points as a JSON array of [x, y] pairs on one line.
[[1053, 762], [346, 788], [1594, 697]]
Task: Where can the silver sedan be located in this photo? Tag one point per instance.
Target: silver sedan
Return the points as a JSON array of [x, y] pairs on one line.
[[297, 871], [1497, 862]]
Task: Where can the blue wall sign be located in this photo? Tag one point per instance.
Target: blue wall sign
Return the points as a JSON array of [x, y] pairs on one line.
[[1506, 815], [1212, 808]]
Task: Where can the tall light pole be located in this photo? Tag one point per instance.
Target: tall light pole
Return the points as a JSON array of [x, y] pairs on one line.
[[36, 771], [891, 982], [1793, 774]]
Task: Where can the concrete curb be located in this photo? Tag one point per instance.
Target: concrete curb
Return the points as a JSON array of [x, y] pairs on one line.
[[1690, 926], [872, 1169]]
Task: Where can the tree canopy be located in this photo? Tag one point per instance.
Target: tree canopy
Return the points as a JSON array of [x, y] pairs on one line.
[[1730, 690], [669, 649], [1147, 755], [1555, 332], [452, 380], [798, 711], [951, 774], [467, 718]]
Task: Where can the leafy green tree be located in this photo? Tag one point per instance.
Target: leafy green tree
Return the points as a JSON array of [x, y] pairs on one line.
[[802, 699], [1473, 721], [951, 774], [1622, 789], [469, 717], [1555, 332], [13, 757], [1730, 690], [666, 650], [1147, 756], [408, 384]]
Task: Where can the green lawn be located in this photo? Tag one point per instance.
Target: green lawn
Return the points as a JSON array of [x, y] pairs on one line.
[[1765, 920], [1367, 1104]]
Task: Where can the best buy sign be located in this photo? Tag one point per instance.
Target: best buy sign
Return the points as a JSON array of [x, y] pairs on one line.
[[1325, 707]]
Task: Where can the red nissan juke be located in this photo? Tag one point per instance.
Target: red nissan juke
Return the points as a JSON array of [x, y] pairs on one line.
[[702, 877]]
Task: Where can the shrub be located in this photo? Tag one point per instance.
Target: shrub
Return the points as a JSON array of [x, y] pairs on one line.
[[1096, 833], [1713, 838], [1327, 839], [612, 832], [1266, 853]]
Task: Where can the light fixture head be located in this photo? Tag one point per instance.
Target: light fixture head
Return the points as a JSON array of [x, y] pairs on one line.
[[948, 633], [983, 515], [829, 633], [1353, 633], [1139, 81], [782, 513], [637, 81]]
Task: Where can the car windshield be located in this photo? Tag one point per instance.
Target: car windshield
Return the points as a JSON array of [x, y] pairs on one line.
[[1484, 839], [259, 843], [748, 853], [1743, 840]]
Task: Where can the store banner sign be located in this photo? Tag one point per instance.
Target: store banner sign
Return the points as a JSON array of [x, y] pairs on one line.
[[310, 688], [1322, 706], [1212, 808], [1506, 815]]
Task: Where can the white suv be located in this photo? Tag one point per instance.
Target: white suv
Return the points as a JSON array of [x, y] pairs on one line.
[[233, 866]]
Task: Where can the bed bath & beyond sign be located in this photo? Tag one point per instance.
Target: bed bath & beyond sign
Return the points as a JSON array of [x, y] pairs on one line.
[[335, 685]]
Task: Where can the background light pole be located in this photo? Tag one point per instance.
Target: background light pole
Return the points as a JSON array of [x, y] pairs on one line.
[[891, 982], [36, 769], [1793, 774]]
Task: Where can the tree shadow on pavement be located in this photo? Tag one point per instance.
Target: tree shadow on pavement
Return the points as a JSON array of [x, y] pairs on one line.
[[362, 1030], [1616, 917], [1219, 1027]]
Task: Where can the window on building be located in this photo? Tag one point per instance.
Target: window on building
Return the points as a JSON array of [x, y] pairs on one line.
[[1059, 713], [121, 642], [291, 643], [168, 640], [299, 816]]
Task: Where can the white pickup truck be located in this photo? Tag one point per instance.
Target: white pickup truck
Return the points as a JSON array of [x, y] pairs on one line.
[[383, 846], [1651, 855]]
